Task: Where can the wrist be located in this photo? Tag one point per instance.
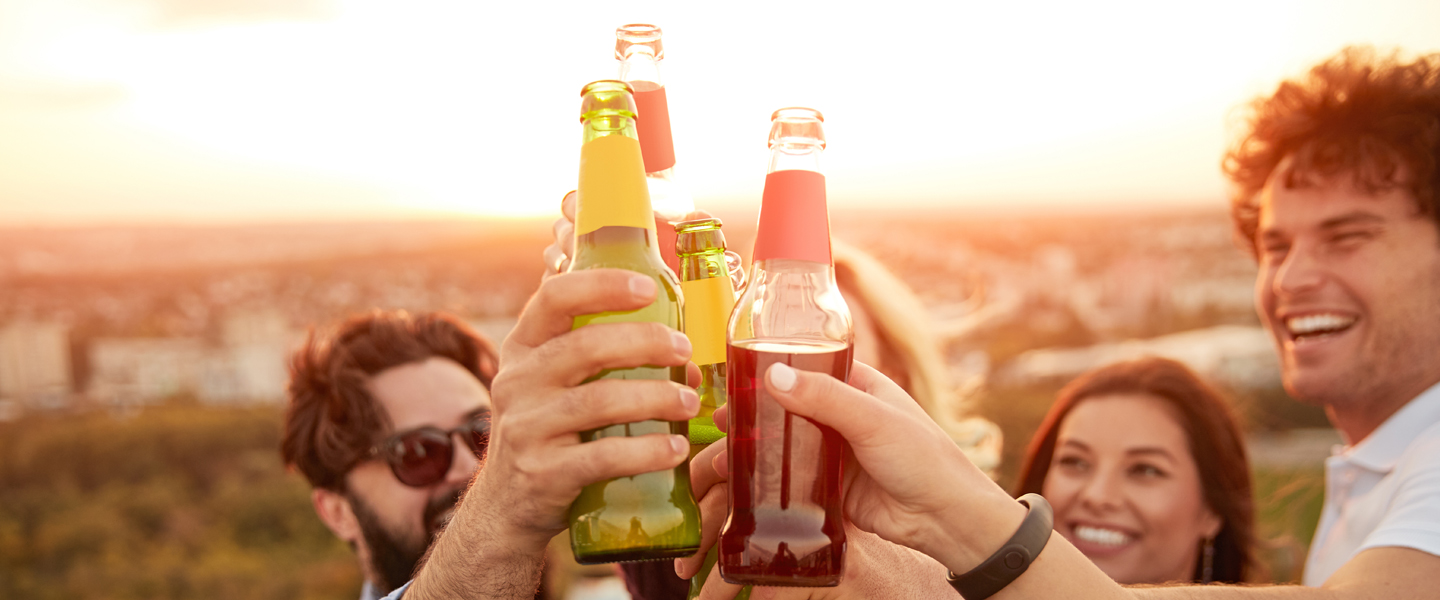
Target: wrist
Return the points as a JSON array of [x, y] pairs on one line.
[[965, 537]]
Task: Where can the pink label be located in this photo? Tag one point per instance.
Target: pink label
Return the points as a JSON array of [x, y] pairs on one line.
[[654, 127], [793, 220]]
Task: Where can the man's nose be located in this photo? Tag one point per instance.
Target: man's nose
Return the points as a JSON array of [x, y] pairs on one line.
[[1299, 272]]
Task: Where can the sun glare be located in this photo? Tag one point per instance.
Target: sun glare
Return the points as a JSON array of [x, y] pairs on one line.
[[456, 107]]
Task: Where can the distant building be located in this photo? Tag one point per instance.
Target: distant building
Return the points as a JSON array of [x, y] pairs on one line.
[[247, 366], [35, 367], [136, 371]]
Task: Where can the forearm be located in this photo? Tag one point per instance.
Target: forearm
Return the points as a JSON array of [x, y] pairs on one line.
[[1062, 567], [478, 557]]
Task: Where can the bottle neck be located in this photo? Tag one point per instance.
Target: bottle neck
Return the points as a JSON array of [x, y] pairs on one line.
[[607, 125], [795, 156], [641, 70], [612, 191], [794, 220], [703, 265]]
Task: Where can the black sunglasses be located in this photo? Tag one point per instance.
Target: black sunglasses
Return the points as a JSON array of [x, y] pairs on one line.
[[420, 457]]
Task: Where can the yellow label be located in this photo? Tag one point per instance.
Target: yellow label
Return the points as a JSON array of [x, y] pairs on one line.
[[707, 313], [612, 188]]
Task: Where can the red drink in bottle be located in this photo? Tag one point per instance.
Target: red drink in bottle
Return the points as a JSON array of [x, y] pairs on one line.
[[785, 525], [785, 519]]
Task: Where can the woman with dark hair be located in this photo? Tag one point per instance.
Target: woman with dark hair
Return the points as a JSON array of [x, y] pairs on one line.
[[1146, 470]]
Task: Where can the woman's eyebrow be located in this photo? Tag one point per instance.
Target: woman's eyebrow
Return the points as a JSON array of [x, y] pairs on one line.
[[1151, 450]]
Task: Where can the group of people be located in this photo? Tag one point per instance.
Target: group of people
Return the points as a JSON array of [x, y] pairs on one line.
[[1141, 465]]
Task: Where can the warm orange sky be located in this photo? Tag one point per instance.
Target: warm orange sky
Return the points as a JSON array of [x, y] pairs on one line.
[[257, 110]]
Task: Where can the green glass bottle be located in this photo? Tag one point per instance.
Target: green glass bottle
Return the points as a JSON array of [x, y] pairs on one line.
[[710, 296], [709, 289], [653, 515]]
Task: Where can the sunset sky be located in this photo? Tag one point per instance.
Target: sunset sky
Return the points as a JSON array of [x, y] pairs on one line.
[[277, 110]]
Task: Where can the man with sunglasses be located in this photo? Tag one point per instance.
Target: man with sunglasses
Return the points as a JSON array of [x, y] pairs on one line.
[[389, 418]]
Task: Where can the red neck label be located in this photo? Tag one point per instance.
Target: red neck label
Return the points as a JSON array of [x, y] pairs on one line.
[[794, 222], [653, 125]]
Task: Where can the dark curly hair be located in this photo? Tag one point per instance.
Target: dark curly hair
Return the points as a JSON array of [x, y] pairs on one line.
[[1373, 117], [331, 419], [1214, 440]]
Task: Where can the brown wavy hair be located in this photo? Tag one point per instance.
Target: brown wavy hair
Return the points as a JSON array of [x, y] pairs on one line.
[[1373, 117], [1213, 436], [332, 420]]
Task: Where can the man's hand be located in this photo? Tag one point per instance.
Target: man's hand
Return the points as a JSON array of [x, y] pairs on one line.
[[536, 465]]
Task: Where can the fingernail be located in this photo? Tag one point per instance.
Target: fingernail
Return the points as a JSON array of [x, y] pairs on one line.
[[782, 377], [690, 400], [680, 444], [643, 288], [678, 571], [681, 343]]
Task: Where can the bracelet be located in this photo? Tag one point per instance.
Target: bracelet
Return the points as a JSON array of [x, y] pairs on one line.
[[1011, 560]]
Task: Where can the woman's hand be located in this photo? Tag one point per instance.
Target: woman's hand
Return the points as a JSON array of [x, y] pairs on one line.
[[906, 481]]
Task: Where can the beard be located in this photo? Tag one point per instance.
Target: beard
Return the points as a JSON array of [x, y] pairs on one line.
[[395, 555]]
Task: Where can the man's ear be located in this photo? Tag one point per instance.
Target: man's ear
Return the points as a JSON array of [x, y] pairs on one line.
[[335, 511]]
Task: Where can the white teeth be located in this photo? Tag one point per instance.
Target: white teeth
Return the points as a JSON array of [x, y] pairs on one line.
[[1104, 537], [1323, 323]]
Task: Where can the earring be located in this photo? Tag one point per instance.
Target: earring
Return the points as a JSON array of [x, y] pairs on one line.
[[1207, 561]]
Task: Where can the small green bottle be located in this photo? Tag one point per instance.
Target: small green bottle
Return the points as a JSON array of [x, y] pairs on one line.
[[709, 293]]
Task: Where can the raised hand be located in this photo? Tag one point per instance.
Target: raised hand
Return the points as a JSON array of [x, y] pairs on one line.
[[537, 465]]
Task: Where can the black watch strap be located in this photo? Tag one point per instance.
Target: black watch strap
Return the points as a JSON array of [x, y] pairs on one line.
[[1014, 557]]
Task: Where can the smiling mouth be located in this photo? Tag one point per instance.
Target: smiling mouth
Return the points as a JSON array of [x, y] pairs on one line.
[[1101, 536], [1317, 326]]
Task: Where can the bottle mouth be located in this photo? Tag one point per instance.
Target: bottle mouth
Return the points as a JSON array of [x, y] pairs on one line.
[[638, 38], [797, 126], [698, 224], [797, 113], [607, 98]]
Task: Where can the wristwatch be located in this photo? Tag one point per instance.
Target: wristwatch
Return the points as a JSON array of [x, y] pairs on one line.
[[1007, 563]]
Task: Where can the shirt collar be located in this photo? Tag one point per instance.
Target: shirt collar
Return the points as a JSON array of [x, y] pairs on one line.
[[1381, 450], [367, 591]]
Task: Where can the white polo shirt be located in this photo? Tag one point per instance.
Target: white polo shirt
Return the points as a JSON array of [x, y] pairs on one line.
[[1384, 491]]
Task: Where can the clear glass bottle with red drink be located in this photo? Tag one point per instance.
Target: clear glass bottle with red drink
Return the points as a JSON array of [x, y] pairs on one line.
[[639, 49], [785, 525]]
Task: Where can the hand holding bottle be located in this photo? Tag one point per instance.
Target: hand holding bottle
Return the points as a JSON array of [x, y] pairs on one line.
[[924, 504], [874, 567], [536, 464]]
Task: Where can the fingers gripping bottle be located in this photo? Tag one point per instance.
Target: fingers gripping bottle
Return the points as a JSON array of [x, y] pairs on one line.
[[785, 524], [649, 516], [709, 298], [639, 49]]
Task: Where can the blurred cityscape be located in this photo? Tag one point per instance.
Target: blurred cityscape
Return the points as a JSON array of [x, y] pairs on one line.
[[128, 316]]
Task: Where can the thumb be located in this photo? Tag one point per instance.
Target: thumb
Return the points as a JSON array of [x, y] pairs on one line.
[[861, 418]]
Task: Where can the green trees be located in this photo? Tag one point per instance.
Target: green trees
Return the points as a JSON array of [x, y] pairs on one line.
[[173, 502]]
